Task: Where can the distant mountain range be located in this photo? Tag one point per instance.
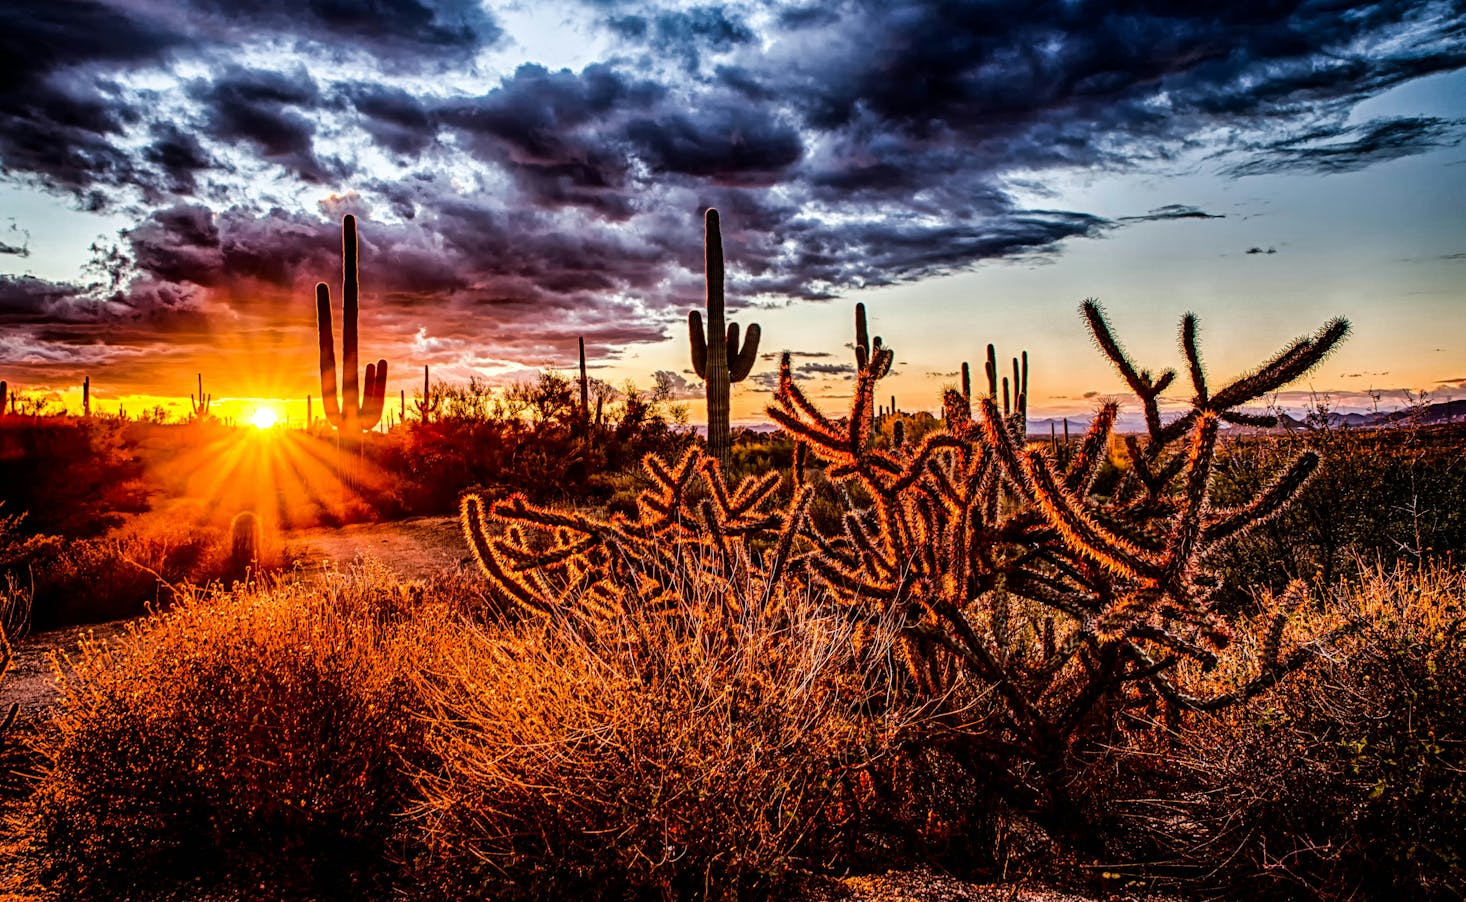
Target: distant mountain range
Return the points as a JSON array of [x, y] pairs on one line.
[[1428, 415]]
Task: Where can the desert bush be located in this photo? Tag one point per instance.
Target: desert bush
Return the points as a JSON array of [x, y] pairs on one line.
[[144, 563], [1380, 496], [1347, 781], [706, 747], [246, 740], [71, 477]]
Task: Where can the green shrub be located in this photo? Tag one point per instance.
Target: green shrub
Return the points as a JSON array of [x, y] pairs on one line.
[[1347, 781], [239, 741]]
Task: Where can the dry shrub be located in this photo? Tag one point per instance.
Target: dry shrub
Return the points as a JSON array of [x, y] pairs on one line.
[[1347, 781], [249, 738], [700, 749]]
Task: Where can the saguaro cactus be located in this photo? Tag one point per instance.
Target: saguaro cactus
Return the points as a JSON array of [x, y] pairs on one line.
[[202, 402], [429, 403], [356, 411], [86, 396], [584, 387], [4, 396], [717, 357]]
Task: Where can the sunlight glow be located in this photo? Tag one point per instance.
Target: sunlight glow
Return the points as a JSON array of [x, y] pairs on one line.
[[264, 418]]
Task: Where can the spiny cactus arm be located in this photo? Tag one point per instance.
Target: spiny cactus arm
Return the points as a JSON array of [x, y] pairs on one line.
[[1141, 383], [1066, 513], [1227, 524], [1184, 544], [475, 532], [753, 492], [1259, 420], [792, 524], [1002, 442], [525, 558], [991, 368], [850, 584], [1302, 356], [855, 530], [715, 527], [518, 509], [800, 416], [1193, 359], [712, 477], [1154, 486], [327, 344]]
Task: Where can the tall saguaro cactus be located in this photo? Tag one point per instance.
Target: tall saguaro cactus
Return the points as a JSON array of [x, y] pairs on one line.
[[86, 396], [202, 402], [356, 411], [584, 386], [4, 396], [717, 357]]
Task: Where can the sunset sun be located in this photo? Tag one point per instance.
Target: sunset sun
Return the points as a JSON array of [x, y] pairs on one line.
[[264, 418]]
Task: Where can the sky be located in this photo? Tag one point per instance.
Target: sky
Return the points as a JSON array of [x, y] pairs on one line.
[[173, 174]]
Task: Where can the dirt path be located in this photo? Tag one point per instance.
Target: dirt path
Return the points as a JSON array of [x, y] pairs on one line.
[[414, 549]]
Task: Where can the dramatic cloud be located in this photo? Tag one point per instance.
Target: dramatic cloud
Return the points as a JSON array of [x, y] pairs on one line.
[[1333, 149], [507, 207]]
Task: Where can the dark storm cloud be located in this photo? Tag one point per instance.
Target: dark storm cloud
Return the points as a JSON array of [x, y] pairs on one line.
[[685, 34], [266, 109], [395, 119], [728, 144], [1336, 149], [552, 132], [179, 156], [410, 33]]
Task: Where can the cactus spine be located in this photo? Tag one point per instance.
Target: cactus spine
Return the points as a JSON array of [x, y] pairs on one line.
[[717, 357], [202, 402], [357, 411]]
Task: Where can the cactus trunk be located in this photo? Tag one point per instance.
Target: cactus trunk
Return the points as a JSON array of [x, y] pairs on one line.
[[584, 387], [86, 396], [716, 355]]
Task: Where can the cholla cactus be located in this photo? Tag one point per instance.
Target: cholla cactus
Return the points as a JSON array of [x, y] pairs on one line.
[[717, 357], [564, 561], [357, 411], [1060, 608], [202, 402], [1009, 569]]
